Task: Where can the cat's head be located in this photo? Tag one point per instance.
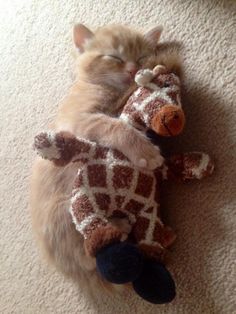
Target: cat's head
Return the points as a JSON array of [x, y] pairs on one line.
[[113, 54]]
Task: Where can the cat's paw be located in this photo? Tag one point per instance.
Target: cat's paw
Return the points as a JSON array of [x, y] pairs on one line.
[[144, 154], [149, 157]]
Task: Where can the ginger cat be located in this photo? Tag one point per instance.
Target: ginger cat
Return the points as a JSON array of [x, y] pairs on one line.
[[108, 61]]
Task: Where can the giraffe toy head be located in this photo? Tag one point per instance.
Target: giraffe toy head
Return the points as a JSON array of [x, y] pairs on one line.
[[156, 104]]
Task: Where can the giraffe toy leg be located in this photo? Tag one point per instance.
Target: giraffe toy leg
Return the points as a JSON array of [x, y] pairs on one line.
[[155, 283], [151, 235]]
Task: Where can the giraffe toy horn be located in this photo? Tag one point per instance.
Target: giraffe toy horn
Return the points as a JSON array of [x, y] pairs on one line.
[[144, 77], [159, 69]]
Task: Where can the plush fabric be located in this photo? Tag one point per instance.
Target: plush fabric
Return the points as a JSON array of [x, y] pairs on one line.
[[36, 71]]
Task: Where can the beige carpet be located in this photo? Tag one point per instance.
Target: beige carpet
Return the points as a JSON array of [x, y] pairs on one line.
[[37, 69]]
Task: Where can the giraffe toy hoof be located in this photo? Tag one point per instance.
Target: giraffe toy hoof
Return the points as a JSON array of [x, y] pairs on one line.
[[155, 283], [119, 263]]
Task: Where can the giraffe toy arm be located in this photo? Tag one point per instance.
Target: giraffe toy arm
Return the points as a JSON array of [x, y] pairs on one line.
[[61, 147], [90, 221], [188, 166]]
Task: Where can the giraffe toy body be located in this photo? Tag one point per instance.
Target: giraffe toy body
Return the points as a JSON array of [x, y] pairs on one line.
[[108, 185]]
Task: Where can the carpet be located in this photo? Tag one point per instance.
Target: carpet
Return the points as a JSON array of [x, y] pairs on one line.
[[36, 71]]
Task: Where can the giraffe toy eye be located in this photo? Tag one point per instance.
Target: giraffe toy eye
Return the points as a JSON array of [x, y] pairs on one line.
[[166, 84]]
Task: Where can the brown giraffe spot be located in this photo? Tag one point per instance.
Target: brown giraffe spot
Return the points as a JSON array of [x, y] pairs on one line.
[[122, 176], [81, 147], [175, 166], [154, 106], [140, 228], [159, 232], [193, 160], [101, 153], [42, 141], [181, 165], [173, 96], [82, 207], [158, 81], [149, 210], [69, 145], [129, 108], [119, 201], [144, 185], [94, 225], [118, 214], [144, 93], [103, 201], [133, 206], [97, 175], [118, 155], [161, 79], [136, 117]]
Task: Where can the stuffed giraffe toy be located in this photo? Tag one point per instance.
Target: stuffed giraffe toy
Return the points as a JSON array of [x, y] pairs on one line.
[[108, 185]]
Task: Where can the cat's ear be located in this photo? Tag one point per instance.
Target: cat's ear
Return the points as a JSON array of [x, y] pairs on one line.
[[81, 34], [154, 35]]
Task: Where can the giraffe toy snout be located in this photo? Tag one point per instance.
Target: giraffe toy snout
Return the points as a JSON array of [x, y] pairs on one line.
[[168, 121]]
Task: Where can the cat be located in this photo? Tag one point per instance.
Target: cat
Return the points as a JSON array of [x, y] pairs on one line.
[[106, 68], [107, 62]]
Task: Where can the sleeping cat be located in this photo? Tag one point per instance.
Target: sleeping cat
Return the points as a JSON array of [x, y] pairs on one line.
[[108, 61], [106, 68]]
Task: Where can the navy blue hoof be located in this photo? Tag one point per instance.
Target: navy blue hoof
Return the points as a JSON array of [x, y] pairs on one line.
[[119, 263], [155, 283]]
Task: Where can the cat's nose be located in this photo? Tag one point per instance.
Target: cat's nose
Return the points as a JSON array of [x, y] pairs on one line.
[[131, 70]]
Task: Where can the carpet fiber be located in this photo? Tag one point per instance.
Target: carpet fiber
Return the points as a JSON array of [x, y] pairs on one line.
[[36, 71]]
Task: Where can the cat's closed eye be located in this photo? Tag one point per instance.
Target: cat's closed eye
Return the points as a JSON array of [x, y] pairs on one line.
[[113, 58], [141, 60]]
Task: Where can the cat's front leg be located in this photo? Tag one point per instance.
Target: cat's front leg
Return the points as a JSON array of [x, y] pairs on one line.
[[139, 149], [115, 133]]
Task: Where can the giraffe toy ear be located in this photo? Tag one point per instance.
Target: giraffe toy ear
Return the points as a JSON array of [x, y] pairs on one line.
[[144, 77]]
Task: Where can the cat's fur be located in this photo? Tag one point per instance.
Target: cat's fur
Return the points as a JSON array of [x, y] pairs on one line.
[[89, 111]]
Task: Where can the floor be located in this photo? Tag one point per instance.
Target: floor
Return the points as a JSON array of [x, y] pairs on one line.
[[37, 69]]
